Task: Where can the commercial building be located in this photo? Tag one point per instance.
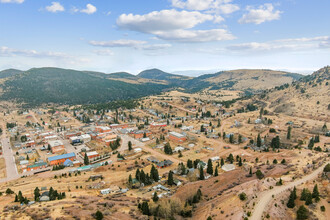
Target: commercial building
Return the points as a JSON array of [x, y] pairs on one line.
[[60, 159], [177, 137]]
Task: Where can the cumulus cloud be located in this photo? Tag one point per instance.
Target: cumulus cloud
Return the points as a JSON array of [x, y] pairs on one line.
[[194, 36], [293, 44], [55, 7], [12, 1], [222, 6], [260, 15], [174, 25], [136, 44], [90, 9], [165, 20]]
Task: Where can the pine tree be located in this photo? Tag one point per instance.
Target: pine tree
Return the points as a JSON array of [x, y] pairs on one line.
[[155, 197], [250, 171], [86, 160], [189, 163], [309, 199], [291, 203], [216, 171], [240, 162], [154, 174], [311, 143], [130, 146], [222, 162], [304, 194], [170, 180], [258, 141], [201, 173], [209, 169], [302, 213], [316, 194], [36, 194], [288, 136], [130, 180]]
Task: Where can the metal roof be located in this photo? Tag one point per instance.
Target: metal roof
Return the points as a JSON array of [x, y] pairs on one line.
[[63, 156]]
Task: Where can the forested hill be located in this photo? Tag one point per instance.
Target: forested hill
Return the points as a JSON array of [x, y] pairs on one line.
[[63, 86]]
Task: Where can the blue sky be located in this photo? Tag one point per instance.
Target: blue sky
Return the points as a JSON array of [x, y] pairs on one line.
[[173, 35]]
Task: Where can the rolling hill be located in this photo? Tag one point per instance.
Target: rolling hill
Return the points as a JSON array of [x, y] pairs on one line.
[[9, 73], [65, 86], [308, 97]]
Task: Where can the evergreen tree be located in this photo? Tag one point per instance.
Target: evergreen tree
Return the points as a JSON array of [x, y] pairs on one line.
[[216, 171], [222, 162], [98, 215], [209, 169], [86, 160], [291, 204], [258, 141], [231, 139], [189, 163], [309, 199], [302, 213], [240, 162], [145, 208], [170, 180], [250, 171], [316, 194], [304, 194], [36, 194], [288, 136], [130, 180], [155, 197], [311, 143], [201, 173], [130, 145], [154, 174]]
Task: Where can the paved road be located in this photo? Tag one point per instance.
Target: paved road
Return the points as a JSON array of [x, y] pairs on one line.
[[10, 160], [266, 196]]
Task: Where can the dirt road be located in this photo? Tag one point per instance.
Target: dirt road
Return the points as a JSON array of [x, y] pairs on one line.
[[153, 152], [267, 196]]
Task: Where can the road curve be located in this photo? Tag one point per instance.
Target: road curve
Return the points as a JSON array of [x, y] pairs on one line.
[[266, 196]]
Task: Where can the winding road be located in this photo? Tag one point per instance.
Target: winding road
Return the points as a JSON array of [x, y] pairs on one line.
[[267, 196]]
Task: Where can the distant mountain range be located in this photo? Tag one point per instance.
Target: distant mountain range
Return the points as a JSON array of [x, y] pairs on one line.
[[64, 86]]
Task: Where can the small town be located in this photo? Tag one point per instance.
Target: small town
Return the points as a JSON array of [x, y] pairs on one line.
[[164, 110]]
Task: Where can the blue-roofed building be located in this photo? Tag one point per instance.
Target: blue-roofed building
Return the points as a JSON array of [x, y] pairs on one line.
[[60, 159], [68, 163]]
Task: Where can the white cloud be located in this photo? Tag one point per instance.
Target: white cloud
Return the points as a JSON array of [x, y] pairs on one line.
[[90, 9], [175, 25], [260, 15], [194, 36], [118, 43], [12, 1], [136, 44], [214, 6], [11, 52], [165, 20], [228, 8], [155, 46], [55, 7], [106, 52], [293, 44]]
